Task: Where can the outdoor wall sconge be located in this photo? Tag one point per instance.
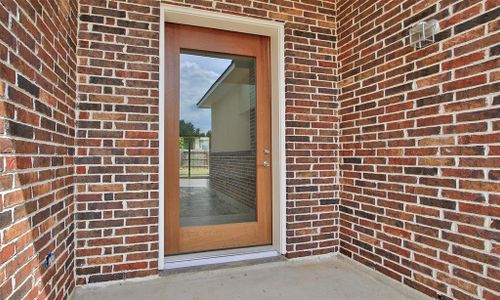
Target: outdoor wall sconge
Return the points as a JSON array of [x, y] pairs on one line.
[[424, 33]]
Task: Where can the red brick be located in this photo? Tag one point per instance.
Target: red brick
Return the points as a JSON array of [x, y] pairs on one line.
[[423, 152], [38, 111], [443, 122], [463, 60]]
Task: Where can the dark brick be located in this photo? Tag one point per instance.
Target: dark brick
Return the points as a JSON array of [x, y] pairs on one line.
[[133, 24], [43, 109], [91, 19], [444, 98], [21, 130], [28, 86], [5, 219], [109, 12], [482, 19], [495, 50], [421, 171], [399, 89], [89, 106], [106, 277], [352, 160], [365, 215], [422, 72], [329, 201], [106, 81], [108, 29], [479, 115], [438, 203]]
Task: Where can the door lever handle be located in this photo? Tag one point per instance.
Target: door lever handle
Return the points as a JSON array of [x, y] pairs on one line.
[[266, 164]]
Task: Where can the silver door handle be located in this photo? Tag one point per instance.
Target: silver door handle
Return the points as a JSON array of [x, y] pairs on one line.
[[266, 151]]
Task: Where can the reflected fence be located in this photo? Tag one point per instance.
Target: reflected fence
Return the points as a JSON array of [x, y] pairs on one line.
[[194, 157]]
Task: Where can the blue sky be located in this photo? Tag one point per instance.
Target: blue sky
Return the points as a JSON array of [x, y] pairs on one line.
[[198, 73]]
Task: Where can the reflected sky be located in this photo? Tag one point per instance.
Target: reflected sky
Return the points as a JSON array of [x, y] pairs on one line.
[[198, 73]]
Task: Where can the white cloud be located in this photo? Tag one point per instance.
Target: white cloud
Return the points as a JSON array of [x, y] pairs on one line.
[[198, 73]]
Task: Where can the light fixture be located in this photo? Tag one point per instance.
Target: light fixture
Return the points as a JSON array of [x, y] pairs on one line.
[[424, 33]]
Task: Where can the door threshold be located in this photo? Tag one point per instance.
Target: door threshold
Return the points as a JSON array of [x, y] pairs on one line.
[[220, 258]]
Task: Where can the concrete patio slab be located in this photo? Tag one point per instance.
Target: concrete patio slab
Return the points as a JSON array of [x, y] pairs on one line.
[[331, 277]]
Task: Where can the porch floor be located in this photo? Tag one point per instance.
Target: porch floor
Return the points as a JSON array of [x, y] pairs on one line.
[[313, 278]]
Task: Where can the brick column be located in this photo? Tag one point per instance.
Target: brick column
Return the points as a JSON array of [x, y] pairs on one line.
[[37, 137], [117, 154]]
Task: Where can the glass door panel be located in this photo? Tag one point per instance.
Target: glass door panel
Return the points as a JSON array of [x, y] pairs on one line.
[[217, 168]]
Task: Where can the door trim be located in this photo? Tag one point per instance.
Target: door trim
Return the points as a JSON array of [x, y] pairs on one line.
[[275, 30], [186, 239]]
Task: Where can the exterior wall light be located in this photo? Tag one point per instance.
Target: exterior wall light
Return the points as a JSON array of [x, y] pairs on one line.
[[424, 33]]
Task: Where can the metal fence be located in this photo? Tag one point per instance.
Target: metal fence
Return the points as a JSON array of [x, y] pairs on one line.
[[194, 163]]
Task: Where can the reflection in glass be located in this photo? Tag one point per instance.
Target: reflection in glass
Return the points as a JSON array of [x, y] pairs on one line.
[[217, 139]]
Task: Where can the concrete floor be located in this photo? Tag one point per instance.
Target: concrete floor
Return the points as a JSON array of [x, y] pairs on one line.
[[314, 278]]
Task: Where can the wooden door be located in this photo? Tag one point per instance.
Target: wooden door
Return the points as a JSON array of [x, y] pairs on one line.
[[238, 175]]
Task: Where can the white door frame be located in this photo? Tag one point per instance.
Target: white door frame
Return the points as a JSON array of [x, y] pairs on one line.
[[276, 32]]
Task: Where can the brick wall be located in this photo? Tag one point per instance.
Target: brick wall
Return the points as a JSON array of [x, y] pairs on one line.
[[117, 155], [420, 144], [117, 139], [37, 120], [418, 137], [233, 175], [117, 134]]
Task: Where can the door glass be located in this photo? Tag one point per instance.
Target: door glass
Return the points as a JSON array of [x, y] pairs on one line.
[[217, 139]]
